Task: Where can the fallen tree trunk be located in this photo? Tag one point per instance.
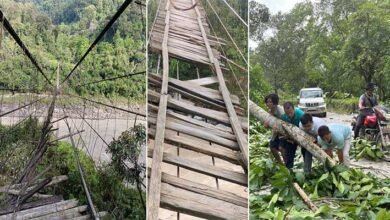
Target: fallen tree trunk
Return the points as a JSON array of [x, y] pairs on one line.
[[293, 132]]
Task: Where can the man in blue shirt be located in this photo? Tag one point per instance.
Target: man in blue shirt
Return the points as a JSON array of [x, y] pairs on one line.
[[293, 116], [336, 136]]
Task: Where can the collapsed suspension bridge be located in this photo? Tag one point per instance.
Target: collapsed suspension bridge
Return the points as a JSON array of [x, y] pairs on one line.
[[23, 199], [195, 131]]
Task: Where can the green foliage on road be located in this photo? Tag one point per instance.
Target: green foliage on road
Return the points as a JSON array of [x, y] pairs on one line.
[[338, 192], [365, 149]]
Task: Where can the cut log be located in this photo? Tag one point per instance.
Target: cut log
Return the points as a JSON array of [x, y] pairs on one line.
[[305, 198], [293, 132]]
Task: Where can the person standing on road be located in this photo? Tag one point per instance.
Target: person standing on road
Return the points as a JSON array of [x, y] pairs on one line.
[[272, 102], [336, 136], [289, 147], [310, 125], [366, 102]]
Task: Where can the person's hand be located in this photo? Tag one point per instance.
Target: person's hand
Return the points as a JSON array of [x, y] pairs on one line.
[[266, 125], [275, 129]]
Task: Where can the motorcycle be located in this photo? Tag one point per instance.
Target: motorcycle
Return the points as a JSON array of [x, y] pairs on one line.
[[375, 128]]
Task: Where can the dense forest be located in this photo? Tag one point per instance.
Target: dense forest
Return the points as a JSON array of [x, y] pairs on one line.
[[58, 33], [334, 44], [216, 12]]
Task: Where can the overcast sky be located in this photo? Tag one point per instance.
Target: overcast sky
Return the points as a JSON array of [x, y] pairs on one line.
[[275, 6]]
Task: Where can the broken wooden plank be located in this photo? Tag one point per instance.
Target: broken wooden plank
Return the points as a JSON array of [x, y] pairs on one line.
[[201, 91], [54, 180], [198, 145], [197, 133], [204, 81]]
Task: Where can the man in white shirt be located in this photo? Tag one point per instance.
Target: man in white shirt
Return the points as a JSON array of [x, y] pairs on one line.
[[310, 125]]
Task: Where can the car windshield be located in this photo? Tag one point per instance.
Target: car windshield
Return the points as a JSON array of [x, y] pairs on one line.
[[311, 94]]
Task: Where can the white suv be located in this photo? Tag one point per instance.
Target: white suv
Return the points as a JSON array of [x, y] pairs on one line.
[[311, 100]]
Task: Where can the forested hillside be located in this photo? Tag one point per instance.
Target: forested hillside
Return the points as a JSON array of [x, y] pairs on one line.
[[334, 44], [60, 32]]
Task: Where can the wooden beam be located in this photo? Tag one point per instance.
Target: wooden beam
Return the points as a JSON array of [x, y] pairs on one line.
[[234, 122], [204, 81], [65, 214], [155, 178]]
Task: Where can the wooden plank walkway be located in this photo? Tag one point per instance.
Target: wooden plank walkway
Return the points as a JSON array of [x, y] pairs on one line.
[[197, 136], [54, 208], [44, 207]]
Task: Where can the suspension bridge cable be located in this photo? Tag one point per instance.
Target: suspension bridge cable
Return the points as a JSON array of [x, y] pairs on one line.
[[232, 9], [231, 69], [16, 37], [20, 107], [155, 18], [110, 106], [80, 169], [108, 26], [226, 30]]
